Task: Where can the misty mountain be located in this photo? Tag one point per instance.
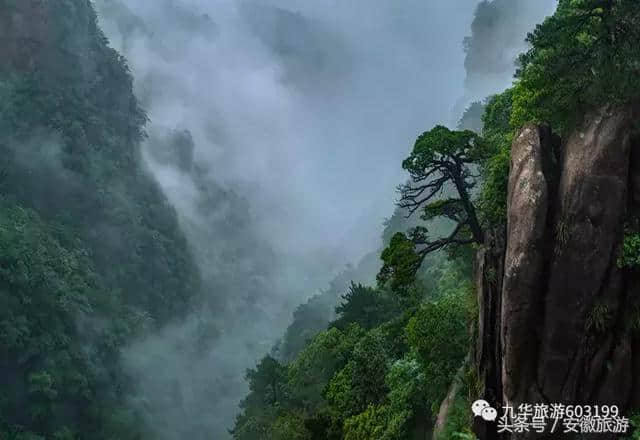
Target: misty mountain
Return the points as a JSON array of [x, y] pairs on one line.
[[497, 37], [316, 58], [193, 198], [92, 253], [242, 102]]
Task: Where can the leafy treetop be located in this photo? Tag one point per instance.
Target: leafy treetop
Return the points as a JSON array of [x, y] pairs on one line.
[[442, 161], [582, 57]]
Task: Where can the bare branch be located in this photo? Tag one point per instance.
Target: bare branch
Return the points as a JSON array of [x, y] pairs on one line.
[[411, 196], [444, 242]]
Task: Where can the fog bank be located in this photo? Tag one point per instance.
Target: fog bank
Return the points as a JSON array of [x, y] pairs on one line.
[[277, 130]]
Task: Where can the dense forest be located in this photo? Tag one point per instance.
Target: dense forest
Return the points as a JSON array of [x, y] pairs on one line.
[[99, 266], [78, 283]]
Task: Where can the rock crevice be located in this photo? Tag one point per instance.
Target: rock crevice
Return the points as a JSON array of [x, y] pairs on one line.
[[560, 305]]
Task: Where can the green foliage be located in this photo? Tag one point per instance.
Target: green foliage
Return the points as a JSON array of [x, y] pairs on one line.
[[439, 334], [400, 263], [582, 57], [312, 317], [290, 426], [91, 255], [407, 401], [464, 435], [64, 146], [499, 133], [309, 319], [452, 279], [267, 380], [256, 426], [398, 222], [363, 378], [433, 146], [459, 420], [598, 36], [300, 410], [449, 208], [48, 296], [441, 161], [324, 425], [404, 406], [312, 370], [496, 120], [362, 381], [364, 306], [493, 200], [366, 425], [265, 403], [630, 255], [635, 427]]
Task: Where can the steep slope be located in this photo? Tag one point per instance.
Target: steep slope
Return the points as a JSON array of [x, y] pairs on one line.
[[91, 254], [250, 284]]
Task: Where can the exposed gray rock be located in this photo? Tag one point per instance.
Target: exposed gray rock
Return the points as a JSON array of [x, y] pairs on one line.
[[565, 309], [527, 208], [583, 276]]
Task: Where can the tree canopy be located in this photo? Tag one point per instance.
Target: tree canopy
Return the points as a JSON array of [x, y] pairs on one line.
[[581, 57], [443, 169]]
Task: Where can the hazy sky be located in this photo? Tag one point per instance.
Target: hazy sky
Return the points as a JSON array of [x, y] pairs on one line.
[[305, 107], [312, 112]]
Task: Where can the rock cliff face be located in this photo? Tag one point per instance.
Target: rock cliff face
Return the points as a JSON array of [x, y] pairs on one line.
[[557, 311]]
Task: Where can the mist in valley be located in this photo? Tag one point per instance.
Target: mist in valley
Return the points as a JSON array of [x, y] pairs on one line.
[[277, 131]]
